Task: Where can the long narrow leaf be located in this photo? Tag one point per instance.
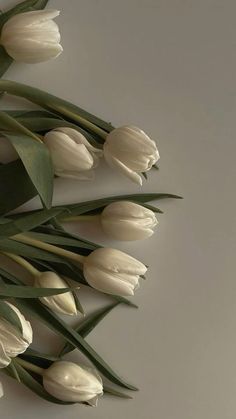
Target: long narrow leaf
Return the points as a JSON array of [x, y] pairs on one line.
[[51, 320], [18, 291], [27, 222], [11, 197], [5, 61], [10, 315], [50, 102], [37, 162], [87, 325]]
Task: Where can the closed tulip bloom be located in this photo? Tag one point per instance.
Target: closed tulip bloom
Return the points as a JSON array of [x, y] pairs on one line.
[[131, 151], [124, 220], [13, 341], [113, 272], [62, 303], [32, 37], [70, 382], [72, 155]]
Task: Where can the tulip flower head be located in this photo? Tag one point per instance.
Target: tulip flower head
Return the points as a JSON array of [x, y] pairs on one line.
[[131, 151], [70, 382], [124, 220], [61, 303], [13, 341], [72, 155], [32, 37], [113, 272]]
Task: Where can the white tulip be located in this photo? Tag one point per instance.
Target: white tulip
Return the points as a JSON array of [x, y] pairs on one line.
[[131, 151], [61, 303], [72, 155], [71, 383], [32, 37], [113, 272], [124, 220], [12, 341]]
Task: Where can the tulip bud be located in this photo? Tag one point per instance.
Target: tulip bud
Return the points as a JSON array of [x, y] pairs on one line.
[[125, 220], [113, 272], [12, 341], [71, 383], [32, 37], [131, 151], [62, 303], [72, 155]]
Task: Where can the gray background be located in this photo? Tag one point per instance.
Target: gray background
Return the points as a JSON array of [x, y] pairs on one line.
[[169, 67]]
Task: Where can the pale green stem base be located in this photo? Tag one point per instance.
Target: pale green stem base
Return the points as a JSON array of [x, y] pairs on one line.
[[80, 218], [23, 238], [31, 367], [21, 261], [82, 121]]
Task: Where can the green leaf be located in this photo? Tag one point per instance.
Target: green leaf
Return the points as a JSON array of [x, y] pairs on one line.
[[87, 325], [123, 300], [37, 161], [51, 320], [60, 240], [5, 61], [39, 123], [27, 379], [152, 208], [50, 102], [27, 222], [25, 250], [88, 206], [28, 115], [18, 291], [16, 187], [113, 392], [14, 372], [10, 315]]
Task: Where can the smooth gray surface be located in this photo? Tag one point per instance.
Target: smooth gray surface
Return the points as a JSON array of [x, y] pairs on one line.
[[169, 67]]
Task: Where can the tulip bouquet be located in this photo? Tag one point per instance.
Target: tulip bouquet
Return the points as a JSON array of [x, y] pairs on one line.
[[61, 139]]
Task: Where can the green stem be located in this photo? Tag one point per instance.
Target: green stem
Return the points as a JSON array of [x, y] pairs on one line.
[[80, 218], [21, 261], [29, 366], [53, 103], [82, 121], [23, 238]]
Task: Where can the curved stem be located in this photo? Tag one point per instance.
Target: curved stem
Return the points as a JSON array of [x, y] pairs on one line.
[[27, 365], [23, 238], [21, 261], [53, 103], [82, 121], [80, 218]]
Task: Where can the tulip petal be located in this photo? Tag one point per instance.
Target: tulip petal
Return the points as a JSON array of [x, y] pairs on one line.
[[4, 358], [62, 303], [31, 18], [32, 37], [117, 164]]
